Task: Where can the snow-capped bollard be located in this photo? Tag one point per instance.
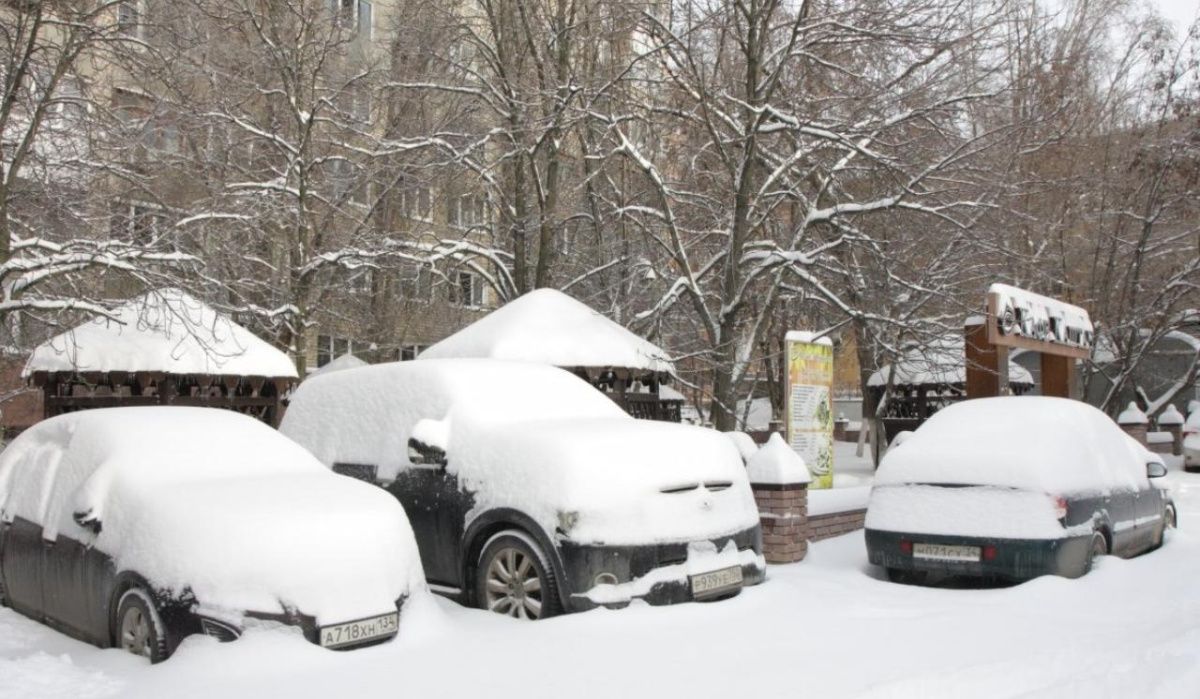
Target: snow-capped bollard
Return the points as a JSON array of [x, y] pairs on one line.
[[1134, 422], [1171, 420], [780, 479]]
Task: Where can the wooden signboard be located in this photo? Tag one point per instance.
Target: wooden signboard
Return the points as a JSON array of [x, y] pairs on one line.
[[1016, 318]]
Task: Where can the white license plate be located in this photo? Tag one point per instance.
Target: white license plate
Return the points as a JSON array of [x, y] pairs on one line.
[[361, 631], [716, 582], [939, 552]]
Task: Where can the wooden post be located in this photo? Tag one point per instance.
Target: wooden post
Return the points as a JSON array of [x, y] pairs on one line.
[[1058, 376], [984, 362]]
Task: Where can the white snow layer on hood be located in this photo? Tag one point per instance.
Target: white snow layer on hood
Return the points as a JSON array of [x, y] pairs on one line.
[[548, 327], [1049, 445], [536, 439], [218, 503], [164, 330]]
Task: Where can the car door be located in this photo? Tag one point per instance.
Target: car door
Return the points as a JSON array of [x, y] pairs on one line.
[[23, 502], [1122, 506], [437, 508]]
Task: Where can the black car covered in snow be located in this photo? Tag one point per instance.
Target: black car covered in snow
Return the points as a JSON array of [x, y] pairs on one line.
[[135, 527], [1012, 488], [530, 492]]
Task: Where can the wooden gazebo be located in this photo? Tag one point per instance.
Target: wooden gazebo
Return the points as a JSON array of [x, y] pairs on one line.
[[161, 348], [926, 379], [548, 327]]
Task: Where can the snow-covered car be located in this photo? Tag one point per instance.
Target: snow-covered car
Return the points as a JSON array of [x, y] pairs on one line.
[[1013, 488], [1191, 443], [135, 527], [530, 492]]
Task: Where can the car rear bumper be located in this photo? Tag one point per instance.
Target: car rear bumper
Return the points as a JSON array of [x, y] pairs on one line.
[[1013, 559], [655, 573]]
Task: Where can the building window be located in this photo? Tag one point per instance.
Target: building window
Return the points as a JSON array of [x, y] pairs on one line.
[[410, 352], [467, 290], [355, 15], [417, 203], [469, 210], [68, 107], [330, 348], [135, 223], [416, 283], [362, 280], [129, 18]]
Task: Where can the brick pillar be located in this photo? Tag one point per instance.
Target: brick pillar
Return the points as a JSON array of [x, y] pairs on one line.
[[783, 512], [1176, 432]]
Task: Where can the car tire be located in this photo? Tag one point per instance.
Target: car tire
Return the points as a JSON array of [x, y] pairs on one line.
[[1168, 522], [514, 578], [139, 628], [1098, 546]]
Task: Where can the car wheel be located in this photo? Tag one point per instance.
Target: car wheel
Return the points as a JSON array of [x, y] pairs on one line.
[[139, 628], [1096, 548], [514, 578], [1168, 522]]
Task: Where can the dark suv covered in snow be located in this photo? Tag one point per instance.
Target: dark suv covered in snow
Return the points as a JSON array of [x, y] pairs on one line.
[[531, 493]]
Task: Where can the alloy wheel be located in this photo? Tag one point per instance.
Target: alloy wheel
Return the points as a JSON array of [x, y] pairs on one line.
[[513, 586], [135, 632]]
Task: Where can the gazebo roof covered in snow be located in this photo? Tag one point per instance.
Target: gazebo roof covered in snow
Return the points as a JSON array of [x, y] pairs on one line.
[[164, 331], [941, 362], [549, 327]]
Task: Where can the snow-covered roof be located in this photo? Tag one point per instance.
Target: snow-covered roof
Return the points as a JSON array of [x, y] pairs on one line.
[[942, 361], [346, 361], [548, 327], [164, 330]]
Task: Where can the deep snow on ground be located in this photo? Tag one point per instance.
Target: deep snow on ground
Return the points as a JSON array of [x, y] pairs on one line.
[[826, 627]]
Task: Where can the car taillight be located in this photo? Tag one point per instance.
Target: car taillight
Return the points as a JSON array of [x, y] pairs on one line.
[[989, 553], [905, 546], [1060, 507]]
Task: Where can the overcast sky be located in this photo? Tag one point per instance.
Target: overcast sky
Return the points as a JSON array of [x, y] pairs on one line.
[[1182, 12]]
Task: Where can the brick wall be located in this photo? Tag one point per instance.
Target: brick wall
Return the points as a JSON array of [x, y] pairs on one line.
[[783, 514], [834, 524]]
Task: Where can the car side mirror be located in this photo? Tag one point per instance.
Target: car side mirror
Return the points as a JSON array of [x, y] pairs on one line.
[[87, 520], [1155, 469], [428, 442]]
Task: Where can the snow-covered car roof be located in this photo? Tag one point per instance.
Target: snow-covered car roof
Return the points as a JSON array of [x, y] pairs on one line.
[[1051, 445], [549, 327], [216, 502], [529, 437], [163, 330]]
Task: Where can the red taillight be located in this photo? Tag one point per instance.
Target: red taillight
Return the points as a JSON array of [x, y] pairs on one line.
[[1060, 507], [905, 546], [989, 553]]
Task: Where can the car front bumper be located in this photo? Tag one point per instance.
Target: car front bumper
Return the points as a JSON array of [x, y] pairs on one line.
[[226, 627], [1013, 559], [613, 576]]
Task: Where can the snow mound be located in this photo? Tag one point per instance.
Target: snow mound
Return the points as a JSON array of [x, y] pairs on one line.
[[1050, 445], [776, 463], [548, 327], [744, 443], [215, 502], [1170, 416], [942, 361], [1132, 415], [532, 438], [164, 330], [346, 361]]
